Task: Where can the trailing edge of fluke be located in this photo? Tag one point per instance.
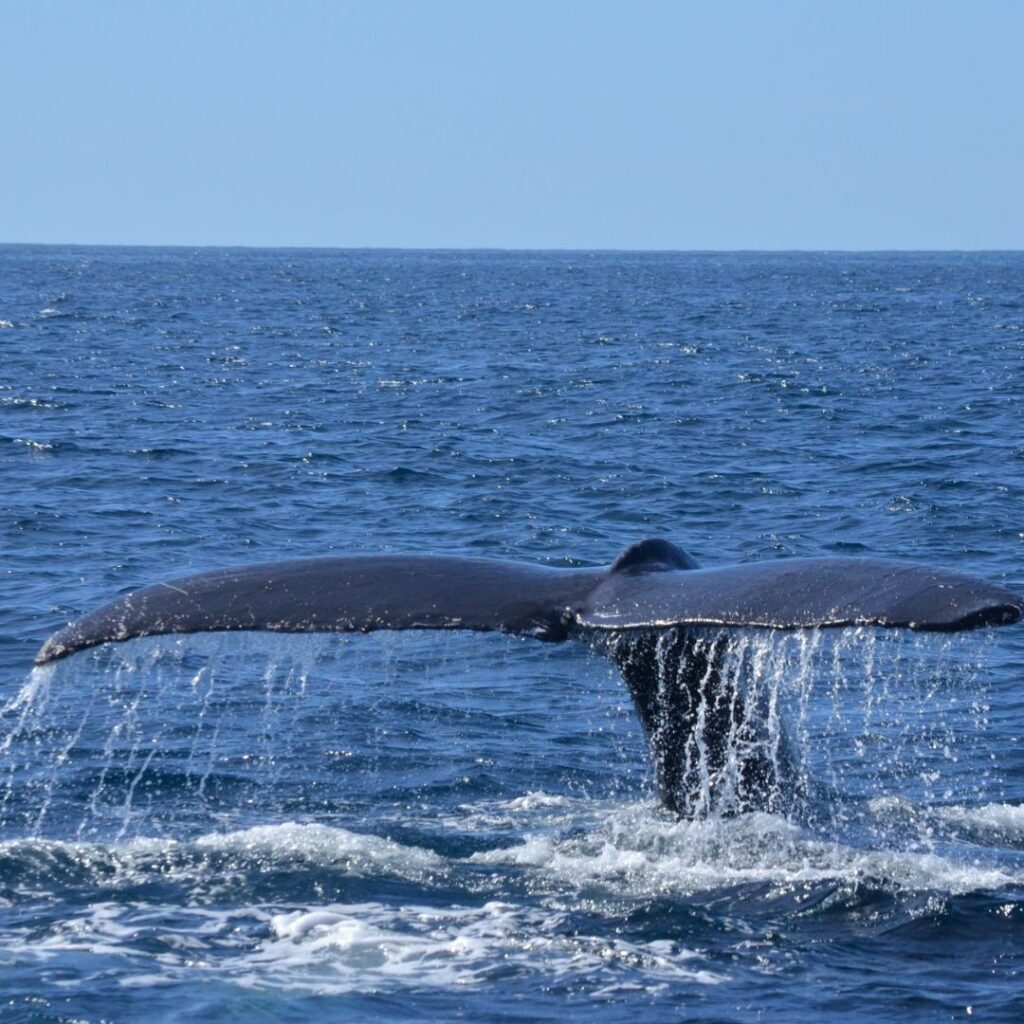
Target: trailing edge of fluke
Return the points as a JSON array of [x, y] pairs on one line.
[[652, 584]]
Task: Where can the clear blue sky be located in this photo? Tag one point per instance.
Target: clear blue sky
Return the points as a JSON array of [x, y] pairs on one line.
[[642, 125]]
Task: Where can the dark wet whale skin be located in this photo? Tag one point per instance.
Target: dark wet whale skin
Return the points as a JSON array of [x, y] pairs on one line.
[[652, 583]]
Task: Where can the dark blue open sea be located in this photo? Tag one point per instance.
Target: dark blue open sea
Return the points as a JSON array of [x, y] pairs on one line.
[[420, 826]]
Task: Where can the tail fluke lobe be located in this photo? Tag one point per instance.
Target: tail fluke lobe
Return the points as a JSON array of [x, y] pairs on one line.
[[359, 593], [796, 593]]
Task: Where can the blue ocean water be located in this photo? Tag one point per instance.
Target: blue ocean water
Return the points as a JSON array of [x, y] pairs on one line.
[[414, 826]]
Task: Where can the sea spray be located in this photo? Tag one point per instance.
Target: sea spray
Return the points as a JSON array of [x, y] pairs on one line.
[[749, 719], [190, 731]]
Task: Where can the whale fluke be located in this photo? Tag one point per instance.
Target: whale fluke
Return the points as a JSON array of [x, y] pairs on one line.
[[651, 603], [652, 584]]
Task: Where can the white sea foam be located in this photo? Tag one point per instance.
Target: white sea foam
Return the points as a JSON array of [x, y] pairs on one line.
[[536, 799], [1003, 819], [634, 853], [626, 851], [464, 945], [637, 852], [34, 446], [324, 846], [205, 860], [1004, 822], [340, 948], [536, 809]]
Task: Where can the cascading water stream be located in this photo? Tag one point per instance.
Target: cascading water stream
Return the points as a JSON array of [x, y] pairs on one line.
[[157, 734]]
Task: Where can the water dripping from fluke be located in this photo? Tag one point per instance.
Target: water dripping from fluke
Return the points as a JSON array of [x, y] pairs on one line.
[[149, 737], [165, 735], [808, 724], [708, 701]]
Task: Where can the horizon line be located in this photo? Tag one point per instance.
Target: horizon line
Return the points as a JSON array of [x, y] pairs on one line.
[[499, 248]]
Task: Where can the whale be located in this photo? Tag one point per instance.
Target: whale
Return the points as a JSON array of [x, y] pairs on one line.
[[665, 620]]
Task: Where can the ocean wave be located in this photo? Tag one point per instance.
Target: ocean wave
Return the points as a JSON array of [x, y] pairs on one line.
[[624, 849], [51, 864], [638, 852], [1005, 821]]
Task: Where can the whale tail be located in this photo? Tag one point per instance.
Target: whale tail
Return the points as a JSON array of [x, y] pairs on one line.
[[666, 621]]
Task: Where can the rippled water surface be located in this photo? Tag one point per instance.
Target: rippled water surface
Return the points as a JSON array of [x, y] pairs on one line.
[[413, 826]]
